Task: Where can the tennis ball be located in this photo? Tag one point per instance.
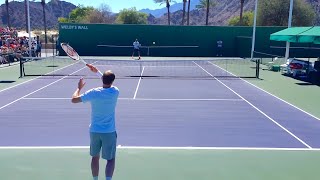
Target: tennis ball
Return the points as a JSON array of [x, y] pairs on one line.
[[154, 43]]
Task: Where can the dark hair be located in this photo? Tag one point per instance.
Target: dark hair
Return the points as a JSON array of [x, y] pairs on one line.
[[108, 77]]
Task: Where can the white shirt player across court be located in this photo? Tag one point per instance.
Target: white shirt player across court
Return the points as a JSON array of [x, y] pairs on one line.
[[136, 48]]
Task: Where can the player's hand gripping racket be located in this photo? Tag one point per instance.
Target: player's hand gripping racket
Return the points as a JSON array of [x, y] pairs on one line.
[[72, 53]]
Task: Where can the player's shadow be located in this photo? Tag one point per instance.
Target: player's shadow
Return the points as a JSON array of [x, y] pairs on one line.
[[6, 82]]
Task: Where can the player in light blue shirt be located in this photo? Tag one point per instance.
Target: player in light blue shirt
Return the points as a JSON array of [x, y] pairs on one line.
[[103, 133]]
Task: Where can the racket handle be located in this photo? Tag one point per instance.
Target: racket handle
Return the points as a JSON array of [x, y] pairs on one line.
[[83, 61]]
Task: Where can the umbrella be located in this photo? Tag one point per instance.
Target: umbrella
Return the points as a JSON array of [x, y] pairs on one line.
[[298, 35], [310, 36]]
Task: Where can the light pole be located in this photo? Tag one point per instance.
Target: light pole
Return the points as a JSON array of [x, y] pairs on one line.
[[8, 15], [254, 29], [289, 25], [29, 27]]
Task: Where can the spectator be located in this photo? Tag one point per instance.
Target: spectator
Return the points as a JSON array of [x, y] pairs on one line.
[[219, 47], [38, 47], [12, 48]]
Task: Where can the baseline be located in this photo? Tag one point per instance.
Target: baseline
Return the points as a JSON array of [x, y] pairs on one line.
[[162, 148]]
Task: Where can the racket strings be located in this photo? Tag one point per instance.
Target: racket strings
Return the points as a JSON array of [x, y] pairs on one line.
[[71, 52]]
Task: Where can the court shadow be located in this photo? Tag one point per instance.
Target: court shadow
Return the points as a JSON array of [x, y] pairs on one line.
[[307, 84], [6, 82], [52, 66]]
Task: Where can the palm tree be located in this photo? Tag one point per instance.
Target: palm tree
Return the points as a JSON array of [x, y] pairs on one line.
[[206, 4], [203, 4], [207, 16], [241, 11], [8, 15], [43, 3], [167, 5], [184, 11], [188, 15]]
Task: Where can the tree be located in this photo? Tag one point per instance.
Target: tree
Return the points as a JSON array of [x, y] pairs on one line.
[[90, 15], [276, 13], [79, 14], [184, 11], [241, 10], [247, 19], [207, 14], [188, 15], [203, 4], [63, 20], [101, 15], [131, 16], [167, 5], [206, 4]]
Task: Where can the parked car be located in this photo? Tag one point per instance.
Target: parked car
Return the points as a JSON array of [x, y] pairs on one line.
[[296, 67], [315, 75]]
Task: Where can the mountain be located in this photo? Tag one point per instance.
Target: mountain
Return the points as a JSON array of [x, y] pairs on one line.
[[219, 15], [222, 12], [173, 8], [54, 9]]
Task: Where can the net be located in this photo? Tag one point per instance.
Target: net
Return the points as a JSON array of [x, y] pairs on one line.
[[269, 61], [152, 50], [125, 67]]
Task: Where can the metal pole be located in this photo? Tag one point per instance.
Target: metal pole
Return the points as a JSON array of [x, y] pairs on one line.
[[29, 27], [44, 22], [8, 14], [289, 25], [254, 29], [53, 45], [26, 14], [43, 3]]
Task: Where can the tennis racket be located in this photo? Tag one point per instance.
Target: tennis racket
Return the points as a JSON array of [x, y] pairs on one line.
[[72, 53]]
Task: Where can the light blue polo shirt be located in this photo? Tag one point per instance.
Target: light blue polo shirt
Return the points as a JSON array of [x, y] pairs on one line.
[[103, 104]]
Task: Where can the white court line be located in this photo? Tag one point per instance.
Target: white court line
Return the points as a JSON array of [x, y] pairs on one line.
[[135, 93], [40, 89], [289, 132], [35, 78], [270, 94], [159, 148], [9, 66], [142, 99]]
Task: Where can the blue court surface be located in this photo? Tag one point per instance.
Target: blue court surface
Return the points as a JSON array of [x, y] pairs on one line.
[[157, 112], [196, 121]]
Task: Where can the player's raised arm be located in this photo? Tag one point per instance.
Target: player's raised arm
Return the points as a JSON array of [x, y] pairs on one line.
[[94, 69], [76, 95]]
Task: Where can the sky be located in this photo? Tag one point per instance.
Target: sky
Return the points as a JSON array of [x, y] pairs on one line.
[[117, 5]]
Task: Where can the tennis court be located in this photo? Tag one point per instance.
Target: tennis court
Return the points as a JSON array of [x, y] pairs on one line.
[[181, 119]]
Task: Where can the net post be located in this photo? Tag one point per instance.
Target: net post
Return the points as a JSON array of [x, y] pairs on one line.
[[140, 66], [21, 68], [257, 68], [53, 45]]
